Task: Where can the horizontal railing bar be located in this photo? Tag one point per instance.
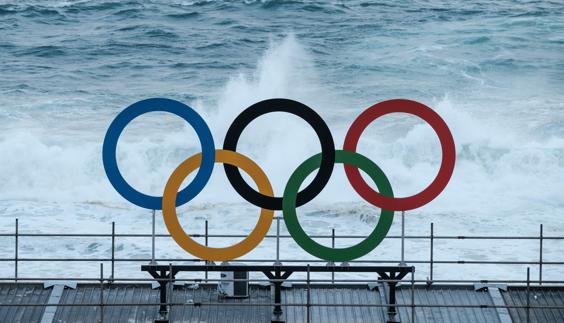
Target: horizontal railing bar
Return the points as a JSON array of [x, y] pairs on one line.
[[481, 306], [199, 235], [293, 280], [207, 281], [460, 262]]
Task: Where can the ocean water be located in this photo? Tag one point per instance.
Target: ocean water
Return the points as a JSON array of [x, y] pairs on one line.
[[493, 70]]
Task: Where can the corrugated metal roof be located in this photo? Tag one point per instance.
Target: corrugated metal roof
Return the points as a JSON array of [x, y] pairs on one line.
[[139, 294], [544, 296], [335, 294], [228, 311], [446, 295], [22, 294], [113, 294]]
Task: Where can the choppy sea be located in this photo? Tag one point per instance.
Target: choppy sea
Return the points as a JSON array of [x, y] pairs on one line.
[[493, 70]]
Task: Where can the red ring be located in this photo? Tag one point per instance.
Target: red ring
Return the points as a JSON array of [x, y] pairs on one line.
[[447, 146]]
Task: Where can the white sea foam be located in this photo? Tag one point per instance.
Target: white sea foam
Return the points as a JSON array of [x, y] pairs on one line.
[[494, 160]]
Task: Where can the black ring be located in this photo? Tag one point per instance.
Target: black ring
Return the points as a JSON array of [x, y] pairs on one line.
[[315, 121]]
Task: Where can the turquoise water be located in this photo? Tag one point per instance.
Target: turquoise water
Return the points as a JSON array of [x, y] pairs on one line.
[[493, 70]]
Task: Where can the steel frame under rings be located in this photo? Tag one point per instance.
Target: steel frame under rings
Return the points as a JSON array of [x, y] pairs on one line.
[[276, 274]]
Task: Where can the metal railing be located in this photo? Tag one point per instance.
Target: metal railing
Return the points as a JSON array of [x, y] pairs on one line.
[[540, 263], [431, 262]]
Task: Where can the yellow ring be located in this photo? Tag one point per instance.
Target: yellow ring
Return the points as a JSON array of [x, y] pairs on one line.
[[187, 243]]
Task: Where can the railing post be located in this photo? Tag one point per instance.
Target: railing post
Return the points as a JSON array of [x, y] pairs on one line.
[[113, 249], [206, 232], [308, 305], [333, 246], [412, 294], [206, 242], [153, 262], [402, 263], [540, 254], [431, 255], [171, 289], [16, 251], [277, 241], [101, 292], [528, 294]]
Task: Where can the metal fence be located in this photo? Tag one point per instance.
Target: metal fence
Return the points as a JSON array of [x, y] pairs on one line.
[[104, 279], [540, 263]]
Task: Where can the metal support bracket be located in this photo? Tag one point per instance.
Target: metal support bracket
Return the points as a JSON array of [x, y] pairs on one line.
[[54, 298], [163, 277], [277, 278], [384, 291], [391, 284], [495, 293]]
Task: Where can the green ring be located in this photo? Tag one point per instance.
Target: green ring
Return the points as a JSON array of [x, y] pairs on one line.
[[307, 243]]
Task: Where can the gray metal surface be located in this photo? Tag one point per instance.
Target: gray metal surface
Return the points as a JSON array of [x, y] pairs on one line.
[[545, 296], [22, 294], [497, 298], [54, 298], [228, 311], [446, 295], [114, 294], [144, 294], [335, 294]]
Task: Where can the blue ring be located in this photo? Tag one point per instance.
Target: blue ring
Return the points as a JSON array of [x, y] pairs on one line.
[[165, 105]]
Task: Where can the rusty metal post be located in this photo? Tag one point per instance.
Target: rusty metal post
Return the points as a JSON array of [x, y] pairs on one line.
[[206, 242], [101, 292], [541, 238], [16, 235], [431, 255], [402, 262], [113, 249], [333, 246], [277, 241], [528, 295], [153, 262], [412, 294], [308, 305]]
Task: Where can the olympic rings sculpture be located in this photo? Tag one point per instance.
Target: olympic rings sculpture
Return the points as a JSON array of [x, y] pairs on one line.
[[292, 197]]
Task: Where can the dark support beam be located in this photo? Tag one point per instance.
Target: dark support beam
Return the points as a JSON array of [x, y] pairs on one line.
[[163, 277], [277, 274], [386, 298], [276, 279]]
